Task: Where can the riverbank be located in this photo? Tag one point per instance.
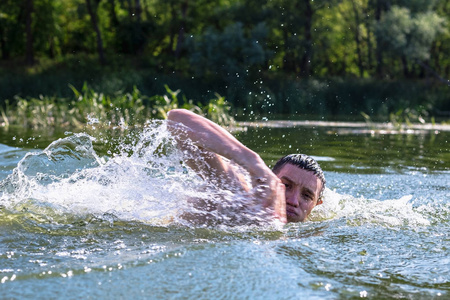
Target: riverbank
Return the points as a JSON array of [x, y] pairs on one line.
[[267, 94], [362, 127]]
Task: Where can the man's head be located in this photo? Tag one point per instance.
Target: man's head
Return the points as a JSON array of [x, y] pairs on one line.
[[305, 184]]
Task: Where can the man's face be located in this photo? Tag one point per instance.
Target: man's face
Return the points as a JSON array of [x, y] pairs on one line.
[[302, 191]]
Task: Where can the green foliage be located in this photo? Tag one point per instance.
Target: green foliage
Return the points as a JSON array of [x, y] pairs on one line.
[[404, 117], [269, 96], [88, 106], [220, 39], [410, 34], [417, 6], [407, 116], [124, 108], [230, 54], [11, 28], [252, 52], [217, 109]]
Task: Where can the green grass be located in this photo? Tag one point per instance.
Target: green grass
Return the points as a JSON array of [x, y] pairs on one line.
[[89, 106]]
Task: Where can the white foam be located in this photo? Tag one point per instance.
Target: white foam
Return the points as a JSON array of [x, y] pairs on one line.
[[357, 211], [145, 180]]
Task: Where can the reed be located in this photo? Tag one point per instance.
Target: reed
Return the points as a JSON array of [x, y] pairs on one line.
[[88, 106]]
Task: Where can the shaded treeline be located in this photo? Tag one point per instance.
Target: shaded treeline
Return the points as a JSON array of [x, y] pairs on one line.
[[258, 53]]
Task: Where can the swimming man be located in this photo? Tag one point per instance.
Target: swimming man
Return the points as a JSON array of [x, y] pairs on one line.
[[292, 189]]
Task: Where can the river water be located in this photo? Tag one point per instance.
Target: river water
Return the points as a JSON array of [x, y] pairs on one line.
[[96, 214]]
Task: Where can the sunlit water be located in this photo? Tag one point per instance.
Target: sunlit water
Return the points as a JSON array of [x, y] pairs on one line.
[[97, 214]]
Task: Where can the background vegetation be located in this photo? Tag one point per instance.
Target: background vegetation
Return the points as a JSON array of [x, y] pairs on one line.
[[324, 59]]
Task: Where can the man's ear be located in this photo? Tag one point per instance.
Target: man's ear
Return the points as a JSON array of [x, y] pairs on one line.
[[319, 201]]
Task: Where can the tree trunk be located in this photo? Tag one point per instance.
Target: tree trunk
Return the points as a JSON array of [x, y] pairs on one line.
[[130, 10], [112, 12], [137, 10], [379, 51], [92, 14], [145, 10], [288, 59], [368, 40], [445, 7], [182, 31], [51, 47], [405, 66], [357, 40], [29, 53], [305, 67], [171, 28], [433, 72], [3, 45]]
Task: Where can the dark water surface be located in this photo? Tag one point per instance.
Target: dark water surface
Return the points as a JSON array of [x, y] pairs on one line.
[[89, 218]]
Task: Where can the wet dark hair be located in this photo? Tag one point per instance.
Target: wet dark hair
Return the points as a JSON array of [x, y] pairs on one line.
[[304, 162]]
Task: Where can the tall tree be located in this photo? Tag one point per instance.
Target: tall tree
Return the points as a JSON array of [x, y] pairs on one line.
[[291, 23], [305, 65], [8, 13], [296, 35], [380, 7], [3, 47], [113, 14], [357, 35], [182, 30], [441, 47], [409, 35], [29, 52], [137, 10], [93, 14], [367, 13]]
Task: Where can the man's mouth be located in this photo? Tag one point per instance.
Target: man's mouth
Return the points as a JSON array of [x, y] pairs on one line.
[[291, 211]]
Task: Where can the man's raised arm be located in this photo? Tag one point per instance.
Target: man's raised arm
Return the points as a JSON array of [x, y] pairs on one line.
[[210, 136], [218, 142]]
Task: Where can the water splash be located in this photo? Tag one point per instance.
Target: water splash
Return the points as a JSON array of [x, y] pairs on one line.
[[143, 179], [358, 211]]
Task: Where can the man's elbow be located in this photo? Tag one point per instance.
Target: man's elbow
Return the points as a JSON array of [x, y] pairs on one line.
[[178, 122], [178, 114]]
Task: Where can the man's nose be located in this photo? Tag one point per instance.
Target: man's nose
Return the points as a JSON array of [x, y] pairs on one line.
[[292, 199]]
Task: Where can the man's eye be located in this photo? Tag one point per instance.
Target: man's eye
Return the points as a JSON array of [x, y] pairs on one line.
[[307, 196], [287, 185]]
